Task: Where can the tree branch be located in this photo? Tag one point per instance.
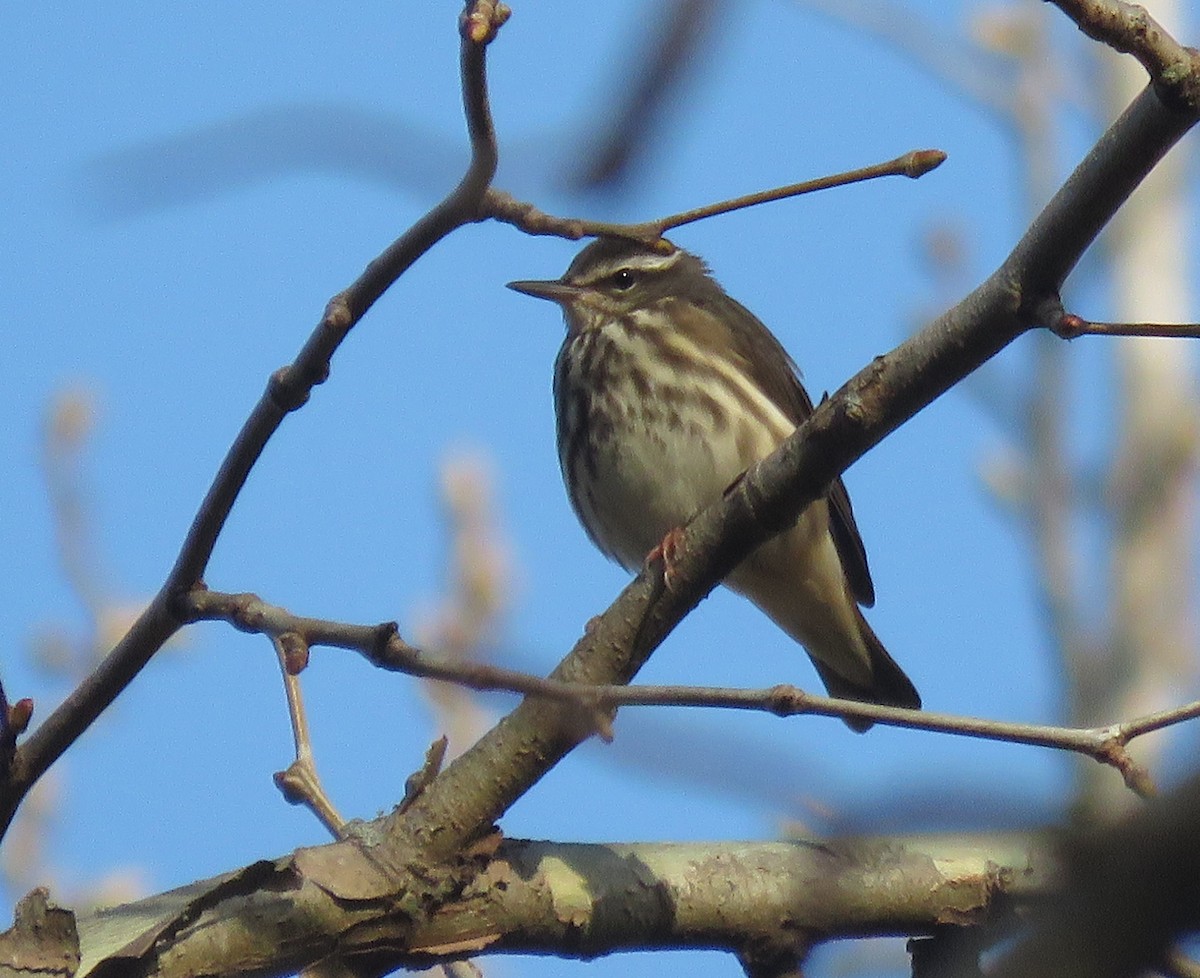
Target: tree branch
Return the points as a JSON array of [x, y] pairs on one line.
[[372, 894], [287, 390], [383, 647], [503, 207], [1129, 29], [482, 783], [555, 897], [1068, 326]]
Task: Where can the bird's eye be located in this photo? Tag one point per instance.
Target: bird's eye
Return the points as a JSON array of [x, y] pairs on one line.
[[623, 278]]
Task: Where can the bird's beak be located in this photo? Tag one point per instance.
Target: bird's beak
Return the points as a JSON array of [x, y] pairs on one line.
[[554, 290]]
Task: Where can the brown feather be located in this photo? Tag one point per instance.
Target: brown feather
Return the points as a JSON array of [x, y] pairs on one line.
[[748, 342]]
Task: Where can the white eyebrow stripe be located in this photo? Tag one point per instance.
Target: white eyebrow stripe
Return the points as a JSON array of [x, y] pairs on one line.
[[650, 262], [643, 262]]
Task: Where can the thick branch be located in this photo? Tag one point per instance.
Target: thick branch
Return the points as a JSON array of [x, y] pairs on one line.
[[561, 898], [1129, 29]]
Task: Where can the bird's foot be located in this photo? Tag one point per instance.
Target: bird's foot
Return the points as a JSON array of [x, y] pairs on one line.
[[667, 551]]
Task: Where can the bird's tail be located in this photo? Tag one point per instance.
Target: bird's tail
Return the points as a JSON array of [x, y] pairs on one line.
[[888, 685], [815, 607]]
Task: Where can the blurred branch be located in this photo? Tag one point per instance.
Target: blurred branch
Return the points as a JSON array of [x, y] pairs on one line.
[[903, 28], [775, 960], [1176, 964], [70, 421], [645, 83], [1147, 655], [1127, 892], [261, 145], [287, 390], [464, 626]]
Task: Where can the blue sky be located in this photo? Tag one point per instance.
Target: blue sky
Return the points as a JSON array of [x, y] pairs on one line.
[[160, 258]]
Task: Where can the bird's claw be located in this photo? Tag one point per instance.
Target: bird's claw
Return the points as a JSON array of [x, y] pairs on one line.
[[668, 552]]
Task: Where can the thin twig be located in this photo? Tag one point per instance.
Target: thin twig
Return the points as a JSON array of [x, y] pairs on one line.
[[1104, 744], [1051, 315], [381, 645], [287, 390], [300, 783], [913, 165], [1071, 327], [503, 207]]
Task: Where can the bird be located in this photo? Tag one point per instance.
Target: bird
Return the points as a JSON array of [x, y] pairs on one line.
[[666, 390]]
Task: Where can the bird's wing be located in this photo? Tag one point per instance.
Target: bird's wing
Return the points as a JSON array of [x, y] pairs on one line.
[[778, 377]]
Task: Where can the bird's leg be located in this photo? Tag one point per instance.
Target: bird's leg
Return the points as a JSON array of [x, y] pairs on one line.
[[667, 551]]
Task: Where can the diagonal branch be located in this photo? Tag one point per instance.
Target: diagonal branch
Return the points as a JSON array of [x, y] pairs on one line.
[[287, 390], [408, 861], [530, 740]]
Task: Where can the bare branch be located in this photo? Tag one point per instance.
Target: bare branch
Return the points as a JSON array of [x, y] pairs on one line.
[[503, 207], [724, 895], [1070, 327], [1129, 29], [287, 390], [1104, 744], [946, 57], [300, 783], [913, 164], [381, 645]]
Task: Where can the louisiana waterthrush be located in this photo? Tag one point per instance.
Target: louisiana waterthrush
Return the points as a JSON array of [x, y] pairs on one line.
[[666, 390]]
